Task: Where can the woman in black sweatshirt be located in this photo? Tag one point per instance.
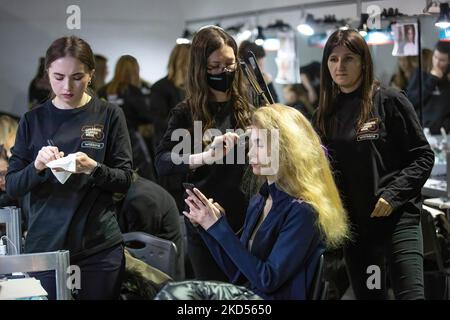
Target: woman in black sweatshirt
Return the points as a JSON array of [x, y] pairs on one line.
[[215, 99], [381, 160], [78, 215]]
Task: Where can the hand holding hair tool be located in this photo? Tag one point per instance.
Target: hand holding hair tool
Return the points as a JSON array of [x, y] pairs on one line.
[[255, 77]]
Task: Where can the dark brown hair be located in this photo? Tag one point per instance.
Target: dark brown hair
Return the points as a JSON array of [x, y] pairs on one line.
[[353, 41], [205, 42], [70, 46], [247, 46]]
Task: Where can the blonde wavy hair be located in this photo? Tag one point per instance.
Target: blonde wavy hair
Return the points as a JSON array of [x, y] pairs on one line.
[[8, 129], [304, 171]]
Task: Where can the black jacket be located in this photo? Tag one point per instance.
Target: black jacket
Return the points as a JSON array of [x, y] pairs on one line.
[[134, 103], [388, 157], [163, 98]]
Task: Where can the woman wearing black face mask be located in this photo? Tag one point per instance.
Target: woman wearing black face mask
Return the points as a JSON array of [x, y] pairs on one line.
[[215, 96]]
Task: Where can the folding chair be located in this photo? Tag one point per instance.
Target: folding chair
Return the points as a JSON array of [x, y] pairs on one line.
[[319, 287], [157, 252]]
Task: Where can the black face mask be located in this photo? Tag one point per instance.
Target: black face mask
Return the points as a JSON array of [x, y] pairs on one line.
[[222, 81]]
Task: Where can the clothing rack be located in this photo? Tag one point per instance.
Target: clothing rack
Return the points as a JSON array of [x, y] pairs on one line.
[[289, 8]]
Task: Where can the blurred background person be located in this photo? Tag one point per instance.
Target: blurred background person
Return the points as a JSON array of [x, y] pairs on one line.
[[124, 90], [39, 88], [101, 72], [310, 78], [5, 200], [166, 93], [405, 69], [435, 90], [296, 96], [8, 129]]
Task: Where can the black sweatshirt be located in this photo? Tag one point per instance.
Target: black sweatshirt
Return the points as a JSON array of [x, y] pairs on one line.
[[388, 157], [218, 181], [151, 209], [436, 97], [134, 104], [163, 98], [79, 215]]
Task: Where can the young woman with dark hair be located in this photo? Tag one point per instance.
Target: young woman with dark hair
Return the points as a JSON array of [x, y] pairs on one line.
[[216, 98], [381, 160], [78, 215]]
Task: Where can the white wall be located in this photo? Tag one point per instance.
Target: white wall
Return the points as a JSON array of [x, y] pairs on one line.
[[145, 29], [194, 9], [384, 62]]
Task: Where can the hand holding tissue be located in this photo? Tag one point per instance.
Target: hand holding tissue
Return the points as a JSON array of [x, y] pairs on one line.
[[68, 164]]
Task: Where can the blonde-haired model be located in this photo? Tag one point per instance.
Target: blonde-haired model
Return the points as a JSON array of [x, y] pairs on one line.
[[296, 214]]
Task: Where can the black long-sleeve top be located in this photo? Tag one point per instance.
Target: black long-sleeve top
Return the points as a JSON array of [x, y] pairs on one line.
[[436, 97], [134, 103], [388, 157], [163, 98], [78, 215], [218, 181]]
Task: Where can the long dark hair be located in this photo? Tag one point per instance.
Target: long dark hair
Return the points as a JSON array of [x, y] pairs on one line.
[[353, 41], [70, 46], [205, 42]]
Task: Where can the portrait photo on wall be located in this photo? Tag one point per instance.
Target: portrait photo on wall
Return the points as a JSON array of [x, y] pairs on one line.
[[405, 39]]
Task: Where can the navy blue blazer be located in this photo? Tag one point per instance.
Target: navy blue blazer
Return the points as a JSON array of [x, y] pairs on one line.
[[286, 249]]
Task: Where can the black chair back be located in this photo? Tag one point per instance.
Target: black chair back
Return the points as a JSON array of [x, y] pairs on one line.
[[157, 252]]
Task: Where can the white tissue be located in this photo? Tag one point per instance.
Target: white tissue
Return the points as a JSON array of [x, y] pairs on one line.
[[67, 163]]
